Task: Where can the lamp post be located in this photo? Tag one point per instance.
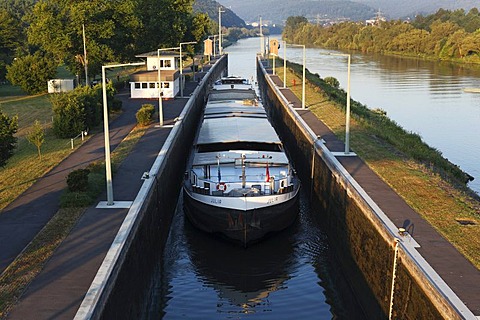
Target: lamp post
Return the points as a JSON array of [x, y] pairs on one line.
[[284, 64], [160, 105], [262, 40], [220, 30], [303, 75], [214, 45], [108, 165], [85, 62], [274, 56], [181, 65], [347, 116]]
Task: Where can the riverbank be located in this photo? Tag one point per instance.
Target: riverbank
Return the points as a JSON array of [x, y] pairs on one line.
[[429, 184]]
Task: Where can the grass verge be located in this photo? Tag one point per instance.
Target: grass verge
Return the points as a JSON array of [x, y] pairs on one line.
[[430, 184], [16, 278], [25, 167]]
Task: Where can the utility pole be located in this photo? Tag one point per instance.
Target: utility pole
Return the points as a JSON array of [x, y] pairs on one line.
[[220, 51], [262, 41], [85, 62]]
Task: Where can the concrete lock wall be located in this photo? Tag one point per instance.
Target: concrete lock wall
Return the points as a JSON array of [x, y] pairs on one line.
[[363, 243], [124, 293]]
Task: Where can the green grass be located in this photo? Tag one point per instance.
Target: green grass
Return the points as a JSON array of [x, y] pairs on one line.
[[427, 182], [9, 92], [24, 167], [96, 177], [29, 109], [15, 279]]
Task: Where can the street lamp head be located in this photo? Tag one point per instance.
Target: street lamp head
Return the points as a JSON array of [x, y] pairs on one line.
[[190, 42]]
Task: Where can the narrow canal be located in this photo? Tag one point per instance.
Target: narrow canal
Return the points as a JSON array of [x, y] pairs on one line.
[[291, 275]]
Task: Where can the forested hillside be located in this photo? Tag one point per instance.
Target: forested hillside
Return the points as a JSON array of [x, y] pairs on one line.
[[411, 8], [210, 7], [278, 11], [446, 35]]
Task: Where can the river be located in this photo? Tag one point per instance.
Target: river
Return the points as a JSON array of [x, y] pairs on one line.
[[424, 97]]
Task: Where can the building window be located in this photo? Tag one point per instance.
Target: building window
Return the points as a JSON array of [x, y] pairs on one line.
[[152, 85], [137, 85], [166, 84], [144, 85], [165, 63]]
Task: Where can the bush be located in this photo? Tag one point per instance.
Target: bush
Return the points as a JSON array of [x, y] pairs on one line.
[[31, 72], [8, 140], [96, 184], [145, 114], [77, 180], [76, 110], [116, 105], [332, 82]]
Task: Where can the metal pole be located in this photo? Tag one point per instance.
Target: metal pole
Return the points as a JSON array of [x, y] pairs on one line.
[[160, 104], [220, 30], [181, 65], [347, 118], [303, 82], [85, 56], [273, 63], [181, 72], [394, 275], [214, 46], [108, 166], [262, 40], [303, 73], [284, 64], [347, 111]]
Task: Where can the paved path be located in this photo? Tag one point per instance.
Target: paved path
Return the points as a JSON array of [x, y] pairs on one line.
[[28, 214], [459, 274], [57, 292]]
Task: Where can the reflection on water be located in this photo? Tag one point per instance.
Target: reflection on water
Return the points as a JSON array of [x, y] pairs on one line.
[[290, 275]]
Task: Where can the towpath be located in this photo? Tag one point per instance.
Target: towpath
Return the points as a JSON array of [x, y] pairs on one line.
[[57, 292], [459, 273]]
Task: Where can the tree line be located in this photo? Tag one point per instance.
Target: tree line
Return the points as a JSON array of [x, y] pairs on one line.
[[446, 35], [37, 36], [50, 32]]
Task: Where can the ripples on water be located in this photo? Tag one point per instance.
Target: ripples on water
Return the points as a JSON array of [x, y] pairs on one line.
[[290, 275]]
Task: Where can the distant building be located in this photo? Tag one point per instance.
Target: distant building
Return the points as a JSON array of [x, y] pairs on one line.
[[377, 20], [60, 85], [144, 84]]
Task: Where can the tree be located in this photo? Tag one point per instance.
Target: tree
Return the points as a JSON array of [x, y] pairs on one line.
[[201, 26], [36, 136], [8, 141], [332, 82], [291, 26], [10, 37], [78, 110], [165, 23], [32, 72], [115, 30], [111, 29]]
